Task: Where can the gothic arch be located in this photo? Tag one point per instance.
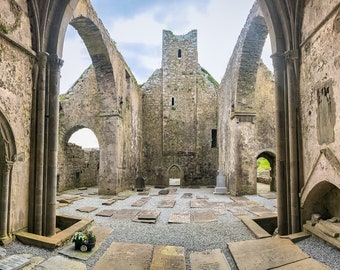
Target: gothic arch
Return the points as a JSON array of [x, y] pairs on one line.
[[7, 159], [175, 171]]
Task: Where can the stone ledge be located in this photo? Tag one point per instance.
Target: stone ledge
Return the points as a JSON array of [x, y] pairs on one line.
[[335, 242], [56, 240], [255, 228]]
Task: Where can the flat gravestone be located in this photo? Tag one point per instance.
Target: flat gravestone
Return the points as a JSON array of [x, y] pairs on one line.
[[266, 253], [147, 216], [106, 213], [199, 203], [211, 259], [220, 205], [239, 198], [202, 197], [179, 217], [124, 214], [101, 234], [109, 202], [186, 196], [120, 197], [14, 262], [141, 202], [163, 192], [121, 256], [203, 216], [260, 211], [168, 258], [166, 203], [87, 209], [268, 195], [237, 209], [307, 264], [60, 262]]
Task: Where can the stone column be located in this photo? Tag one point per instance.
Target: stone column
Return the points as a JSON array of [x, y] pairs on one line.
[[55, 64], [4, 211], [280, 105], [39, 144], [292, 89]]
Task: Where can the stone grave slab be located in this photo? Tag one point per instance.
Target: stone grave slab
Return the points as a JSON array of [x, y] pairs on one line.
[[87, 209], [199, 204], [266, 253], [163, 192], [35, 260], [59, 205], [106, 213], [120, 197], [306, 264], [68, 198], [140, 202], [268, 195], [186, 196], [202, 197], [14, 262], [147, 216], [220, 205], [203, 216], [168, 258], [211, 259], [109, 202], [260, 211], [60, 262], [82, 188], [179, 217], [167, 203], [172, 190], [121, 256], [144, 193], [101, 234], [124, 214], [239, 198]]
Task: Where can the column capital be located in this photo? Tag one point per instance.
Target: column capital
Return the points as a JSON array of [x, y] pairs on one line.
[[55, 61]]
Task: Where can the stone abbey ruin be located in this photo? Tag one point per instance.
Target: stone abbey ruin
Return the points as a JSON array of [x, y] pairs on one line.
[[180, 126]]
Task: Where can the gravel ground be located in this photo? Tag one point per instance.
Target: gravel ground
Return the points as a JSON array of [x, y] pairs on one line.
[[193, 236]]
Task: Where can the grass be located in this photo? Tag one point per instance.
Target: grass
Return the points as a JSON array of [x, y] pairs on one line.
[[262, 164]]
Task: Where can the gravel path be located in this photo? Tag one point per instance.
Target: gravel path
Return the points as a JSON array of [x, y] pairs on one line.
[[193, 236]]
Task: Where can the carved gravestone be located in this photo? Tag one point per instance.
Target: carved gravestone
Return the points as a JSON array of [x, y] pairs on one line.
[[140, 183], [220, 184]]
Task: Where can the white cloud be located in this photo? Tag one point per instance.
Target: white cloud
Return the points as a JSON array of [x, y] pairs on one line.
[[76, 60]]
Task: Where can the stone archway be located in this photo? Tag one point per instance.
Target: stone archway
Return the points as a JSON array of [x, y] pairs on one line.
[[270, 156], [7, 158], [239, 141]]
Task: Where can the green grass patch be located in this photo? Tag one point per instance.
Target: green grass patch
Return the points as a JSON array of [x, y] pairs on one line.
[[262, 164]]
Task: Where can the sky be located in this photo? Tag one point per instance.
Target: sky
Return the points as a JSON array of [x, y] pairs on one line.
[[136, 26]]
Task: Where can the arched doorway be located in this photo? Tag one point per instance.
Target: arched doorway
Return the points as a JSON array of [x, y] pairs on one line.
[[266, 172], [7, 158]]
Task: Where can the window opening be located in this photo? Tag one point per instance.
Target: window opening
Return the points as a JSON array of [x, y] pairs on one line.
[[179, 53], [213, 138], [172, 101]]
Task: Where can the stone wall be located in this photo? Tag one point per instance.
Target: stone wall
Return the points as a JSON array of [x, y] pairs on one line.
[[80, 168], [246, 108], [107, 100], [179, 114], [320, 96], [16, 83]]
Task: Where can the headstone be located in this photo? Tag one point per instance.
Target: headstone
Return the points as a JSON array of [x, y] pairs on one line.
[[220, 188], [140, 183]]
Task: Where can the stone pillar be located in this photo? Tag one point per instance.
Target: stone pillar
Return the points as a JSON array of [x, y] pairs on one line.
[[55, 64], [220, 184], [280, 105], [292, 89], [4, 211], [39, 145]]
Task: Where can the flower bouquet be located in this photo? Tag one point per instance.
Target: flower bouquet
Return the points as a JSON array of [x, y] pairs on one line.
[[84, 240]]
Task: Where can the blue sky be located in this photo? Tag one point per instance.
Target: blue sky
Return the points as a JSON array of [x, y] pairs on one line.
[[136, 27]]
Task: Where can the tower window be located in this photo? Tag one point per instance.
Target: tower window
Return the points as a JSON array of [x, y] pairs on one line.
[[213, 138], [172, 101], [179, 53]]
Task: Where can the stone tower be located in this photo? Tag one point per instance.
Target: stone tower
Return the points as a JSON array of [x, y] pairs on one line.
[[180, 117]]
